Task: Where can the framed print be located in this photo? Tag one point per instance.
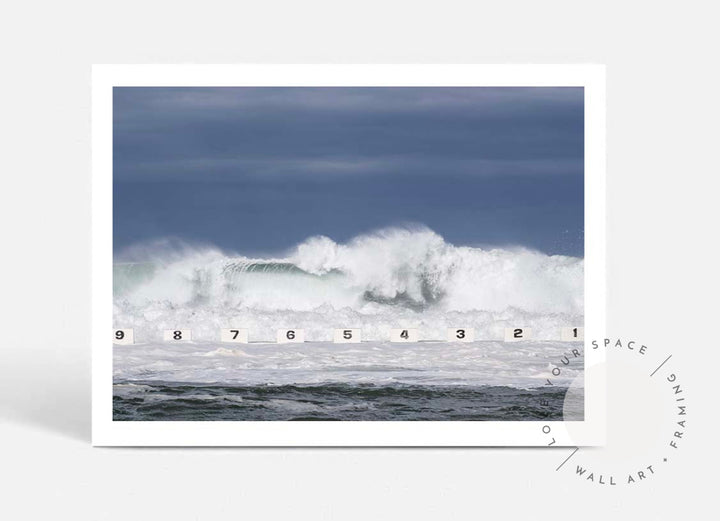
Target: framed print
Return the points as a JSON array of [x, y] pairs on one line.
[[348, 255]]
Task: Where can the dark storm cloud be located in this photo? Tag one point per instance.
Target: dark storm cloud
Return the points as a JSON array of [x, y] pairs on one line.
[[300, 131], [478, 165]]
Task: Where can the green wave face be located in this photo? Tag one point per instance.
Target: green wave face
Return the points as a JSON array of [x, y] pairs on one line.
[[127, 276]]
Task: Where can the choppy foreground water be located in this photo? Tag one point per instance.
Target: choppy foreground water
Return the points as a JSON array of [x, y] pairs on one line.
[[323, 381]]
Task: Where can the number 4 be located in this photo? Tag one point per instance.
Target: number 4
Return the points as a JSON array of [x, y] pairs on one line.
[[403, 335]]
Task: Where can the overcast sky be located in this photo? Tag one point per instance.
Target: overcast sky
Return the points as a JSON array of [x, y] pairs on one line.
[[257, 170]]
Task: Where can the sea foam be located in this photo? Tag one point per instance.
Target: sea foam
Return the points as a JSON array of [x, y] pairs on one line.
[[395, 277]]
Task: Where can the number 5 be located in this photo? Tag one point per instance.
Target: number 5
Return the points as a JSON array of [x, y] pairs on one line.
[[347, 336]]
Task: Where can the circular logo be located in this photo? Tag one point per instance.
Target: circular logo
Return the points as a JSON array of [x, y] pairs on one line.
[[646, 415]]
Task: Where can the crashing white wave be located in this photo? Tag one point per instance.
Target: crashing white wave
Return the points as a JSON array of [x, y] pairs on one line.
[[390, 278]]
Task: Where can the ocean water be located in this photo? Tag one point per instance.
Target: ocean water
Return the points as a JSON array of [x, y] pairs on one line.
[[395, 278], [337, 402], [325, 381]]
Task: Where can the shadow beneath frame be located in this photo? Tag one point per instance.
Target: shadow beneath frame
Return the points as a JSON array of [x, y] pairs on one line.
[[49, 390]]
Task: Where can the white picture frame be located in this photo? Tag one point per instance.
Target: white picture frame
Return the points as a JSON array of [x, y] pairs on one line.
[[106, 432]]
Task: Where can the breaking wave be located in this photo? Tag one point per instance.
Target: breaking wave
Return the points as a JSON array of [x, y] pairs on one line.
[[391, 278]]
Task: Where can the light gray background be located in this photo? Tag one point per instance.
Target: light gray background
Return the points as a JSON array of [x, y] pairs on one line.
[[662, 247]]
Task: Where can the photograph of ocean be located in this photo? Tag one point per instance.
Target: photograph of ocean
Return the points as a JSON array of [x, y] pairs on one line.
[[370, 209], [396, 277]]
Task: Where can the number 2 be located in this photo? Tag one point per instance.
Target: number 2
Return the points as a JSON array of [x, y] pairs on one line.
[[518, 333]]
